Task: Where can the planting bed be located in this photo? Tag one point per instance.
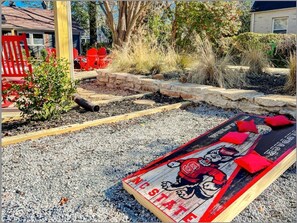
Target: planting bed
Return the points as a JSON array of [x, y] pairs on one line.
[[92, 86], [267, 83], [80, 115]]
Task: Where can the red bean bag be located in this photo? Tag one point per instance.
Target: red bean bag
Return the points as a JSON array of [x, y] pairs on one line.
[[253, 162], [247, 126], [234, 137]]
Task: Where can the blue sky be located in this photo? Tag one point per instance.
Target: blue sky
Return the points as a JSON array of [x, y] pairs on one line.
[[24, 4]]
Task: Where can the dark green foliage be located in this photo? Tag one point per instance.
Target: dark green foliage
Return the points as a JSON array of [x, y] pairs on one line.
[[79, 10], [48, 92], [276, 46], [159, 24], [214, 19], [92, 10]]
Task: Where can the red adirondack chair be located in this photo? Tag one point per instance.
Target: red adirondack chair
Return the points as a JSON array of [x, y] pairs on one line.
[[15, 64], [103, 60], [75, 54], [51, 52], [89, 62]]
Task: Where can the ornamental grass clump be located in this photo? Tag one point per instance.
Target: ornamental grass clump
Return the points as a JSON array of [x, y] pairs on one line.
[[211, 69], [256, 59], [144, 55], [48, 92], [291, 81]]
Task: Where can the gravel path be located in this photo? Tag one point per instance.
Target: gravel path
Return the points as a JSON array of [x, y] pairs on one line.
[[86, 167]]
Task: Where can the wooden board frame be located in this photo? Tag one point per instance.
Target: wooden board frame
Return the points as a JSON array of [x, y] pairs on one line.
[[223, 207], [76, 127]]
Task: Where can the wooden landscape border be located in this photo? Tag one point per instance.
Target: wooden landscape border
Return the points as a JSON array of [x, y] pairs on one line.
[[16, 115], [75, 127]]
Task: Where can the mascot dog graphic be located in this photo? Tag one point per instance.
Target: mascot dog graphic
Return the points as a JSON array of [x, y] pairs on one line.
[[200, 176]]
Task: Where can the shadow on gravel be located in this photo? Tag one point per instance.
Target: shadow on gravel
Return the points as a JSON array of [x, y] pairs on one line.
[[206, 110], [120, 198], [127, 204]]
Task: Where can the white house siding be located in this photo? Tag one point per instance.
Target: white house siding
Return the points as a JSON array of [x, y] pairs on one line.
[[262, 21]]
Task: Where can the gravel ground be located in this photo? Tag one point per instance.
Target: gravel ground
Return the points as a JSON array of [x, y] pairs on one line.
[[85, 168]]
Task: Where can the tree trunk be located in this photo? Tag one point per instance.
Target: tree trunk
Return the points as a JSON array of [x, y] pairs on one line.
[[92, 22], [129, 15], [174, 25]]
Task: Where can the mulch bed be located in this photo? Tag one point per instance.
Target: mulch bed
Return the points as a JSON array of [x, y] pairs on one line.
[[267, 83], [80, 115]]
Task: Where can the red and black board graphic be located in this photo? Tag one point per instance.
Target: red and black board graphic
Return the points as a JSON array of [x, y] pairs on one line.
[[199, 180]]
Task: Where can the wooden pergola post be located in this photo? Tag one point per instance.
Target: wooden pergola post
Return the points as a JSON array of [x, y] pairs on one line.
[[63, 32]]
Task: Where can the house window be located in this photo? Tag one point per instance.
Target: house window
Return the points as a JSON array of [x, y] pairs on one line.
[[280, 25], [28, 37], [34, 39], [38, 39]]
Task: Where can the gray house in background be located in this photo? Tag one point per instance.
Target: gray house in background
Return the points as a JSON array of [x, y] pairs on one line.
[[38, 24], [274, 17]]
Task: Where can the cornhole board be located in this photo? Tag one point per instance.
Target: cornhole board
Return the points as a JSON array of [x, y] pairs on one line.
[[184, 186]]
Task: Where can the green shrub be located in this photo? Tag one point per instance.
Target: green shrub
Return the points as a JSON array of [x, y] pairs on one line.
[[43, 54], [276, 46], [216, 19], [48, 92]]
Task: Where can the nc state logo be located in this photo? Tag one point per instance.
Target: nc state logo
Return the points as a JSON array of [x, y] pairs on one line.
[[190, 167], [200, 176]]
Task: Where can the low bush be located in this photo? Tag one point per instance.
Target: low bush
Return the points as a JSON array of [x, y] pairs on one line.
[[48, 92], [291, 81], [212, 70], [276, 46]]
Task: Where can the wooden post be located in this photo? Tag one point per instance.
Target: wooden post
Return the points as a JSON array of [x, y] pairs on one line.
[[13, 32], [63, 32]]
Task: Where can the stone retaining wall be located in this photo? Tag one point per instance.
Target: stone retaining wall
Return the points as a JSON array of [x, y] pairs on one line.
[[246, 100]]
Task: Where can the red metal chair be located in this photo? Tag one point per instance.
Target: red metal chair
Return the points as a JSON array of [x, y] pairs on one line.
[[15, 64], [103, 60], [75, 54], [89, 62]]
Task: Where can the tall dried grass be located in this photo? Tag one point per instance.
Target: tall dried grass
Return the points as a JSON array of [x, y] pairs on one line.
[[143, 55], [256, 59], [291, 81], [211, 70]]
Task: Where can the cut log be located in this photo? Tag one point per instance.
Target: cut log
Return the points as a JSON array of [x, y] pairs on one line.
[[89, 106]]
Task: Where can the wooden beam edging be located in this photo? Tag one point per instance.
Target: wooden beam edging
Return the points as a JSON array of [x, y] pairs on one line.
[[254, 191], [11, 118], [135, 96], [75, 127]]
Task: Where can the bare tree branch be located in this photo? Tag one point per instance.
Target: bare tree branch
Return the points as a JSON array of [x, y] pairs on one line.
[[129, 14]]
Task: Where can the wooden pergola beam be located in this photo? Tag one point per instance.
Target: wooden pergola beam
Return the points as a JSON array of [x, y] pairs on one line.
[[63, 32]]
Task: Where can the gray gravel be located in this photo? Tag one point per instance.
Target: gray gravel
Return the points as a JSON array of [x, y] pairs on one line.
[[86, 167]]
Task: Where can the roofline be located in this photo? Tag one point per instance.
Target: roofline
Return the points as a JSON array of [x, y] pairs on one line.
[[39, 30], [290, 8]]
